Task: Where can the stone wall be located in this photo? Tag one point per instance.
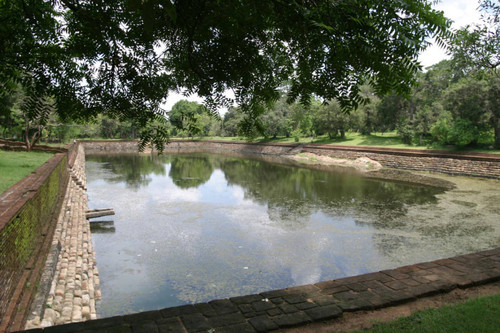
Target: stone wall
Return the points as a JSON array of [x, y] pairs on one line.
[[104, 146], [455, 163], [480, 165], [72, 278], [28, 211]]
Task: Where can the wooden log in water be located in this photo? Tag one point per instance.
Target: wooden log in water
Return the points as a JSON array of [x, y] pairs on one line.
[[99, 212], [102, 222]]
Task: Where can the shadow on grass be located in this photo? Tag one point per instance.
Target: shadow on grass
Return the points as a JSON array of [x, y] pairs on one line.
[[334, 140], [373, 140]]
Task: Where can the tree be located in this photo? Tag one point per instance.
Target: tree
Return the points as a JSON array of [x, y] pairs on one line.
[[122, 58], [368, 112], [468, 101], [276, 121], [476, 50], [190, 116], [300, 120], [329, 118], [231, 120]]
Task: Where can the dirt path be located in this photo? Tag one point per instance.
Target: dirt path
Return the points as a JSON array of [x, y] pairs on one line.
[[352, 321]]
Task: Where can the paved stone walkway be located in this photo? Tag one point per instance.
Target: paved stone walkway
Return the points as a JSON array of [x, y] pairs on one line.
[[75, 285], [297, 306]]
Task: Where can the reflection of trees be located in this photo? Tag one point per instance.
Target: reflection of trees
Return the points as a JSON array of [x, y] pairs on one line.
[[292, 194], [133, 169], [190, 171]]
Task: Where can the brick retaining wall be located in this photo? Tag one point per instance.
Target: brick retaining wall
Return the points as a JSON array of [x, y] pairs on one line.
[[480, 165], [27, 219], [72, 278]]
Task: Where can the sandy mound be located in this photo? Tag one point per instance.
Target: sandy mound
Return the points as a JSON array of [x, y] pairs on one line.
[[363, 163]]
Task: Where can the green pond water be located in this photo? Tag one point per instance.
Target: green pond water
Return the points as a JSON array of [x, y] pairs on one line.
[[195, 227]]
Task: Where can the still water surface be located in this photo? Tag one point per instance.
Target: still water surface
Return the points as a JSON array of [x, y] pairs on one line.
[[195, 227]]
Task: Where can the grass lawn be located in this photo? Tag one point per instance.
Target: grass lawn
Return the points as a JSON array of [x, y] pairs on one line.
[[477, 315], [15, 165], [388, 139]]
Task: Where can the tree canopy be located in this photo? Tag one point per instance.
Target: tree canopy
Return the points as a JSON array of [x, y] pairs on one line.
[[122, 58]]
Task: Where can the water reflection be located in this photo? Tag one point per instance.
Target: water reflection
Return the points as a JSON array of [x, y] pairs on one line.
[[195, 227], [102, 227], [190, 171], [133, 169]]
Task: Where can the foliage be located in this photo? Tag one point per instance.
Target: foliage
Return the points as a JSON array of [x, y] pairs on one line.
[[331, 119], [440, 130], [276, 120], [191, 117], [122, 58], [476, 51], [463, 132], [406, 133]]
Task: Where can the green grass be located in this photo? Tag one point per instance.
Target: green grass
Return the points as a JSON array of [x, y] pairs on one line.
[[477, 315], [15, 165], [388, 139]]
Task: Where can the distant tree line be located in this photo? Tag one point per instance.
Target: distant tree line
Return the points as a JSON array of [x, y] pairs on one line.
[[447, 106]]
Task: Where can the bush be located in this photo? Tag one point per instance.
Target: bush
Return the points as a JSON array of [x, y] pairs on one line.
[[297, 134], [463, 132], [406, 132], [440, 130]]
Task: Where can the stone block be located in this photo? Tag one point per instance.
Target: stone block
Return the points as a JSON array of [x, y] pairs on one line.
[[263, 324], [227, 320], [195, 322], [261, 306], [223, 306], [170, 325], [290, 320], [324, 312]]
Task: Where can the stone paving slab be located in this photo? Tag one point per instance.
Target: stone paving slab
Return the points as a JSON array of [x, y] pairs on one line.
[[302, 305]]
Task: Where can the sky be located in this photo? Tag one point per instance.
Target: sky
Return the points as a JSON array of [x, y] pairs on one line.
[[461, 12]]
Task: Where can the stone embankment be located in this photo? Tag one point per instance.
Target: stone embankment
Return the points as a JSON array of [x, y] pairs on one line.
[[307, 304], [74, 288], [449, 162]]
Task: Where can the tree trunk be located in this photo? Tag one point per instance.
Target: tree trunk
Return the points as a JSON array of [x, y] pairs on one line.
[[342, 134], [27, 136], [497, 136]]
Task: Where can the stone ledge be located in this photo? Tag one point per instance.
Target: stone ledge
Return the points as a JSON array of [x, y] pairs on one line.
[[302, 305]]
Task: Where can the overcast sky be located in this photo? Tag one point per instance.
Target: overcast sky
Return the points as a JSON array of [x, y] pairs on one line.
[[461, 12]]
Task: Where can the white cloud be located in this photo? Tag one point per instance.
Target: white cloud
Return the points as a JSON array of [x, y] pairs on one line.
[[174, 97], [462, 13]]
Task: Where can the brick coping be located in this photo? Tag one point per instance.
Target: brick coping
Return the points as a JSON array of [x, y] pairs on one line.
[[303, 305]]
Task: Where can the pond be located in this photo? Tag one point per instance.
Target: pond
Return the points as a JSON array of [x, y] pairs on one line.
[[195, 227]]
